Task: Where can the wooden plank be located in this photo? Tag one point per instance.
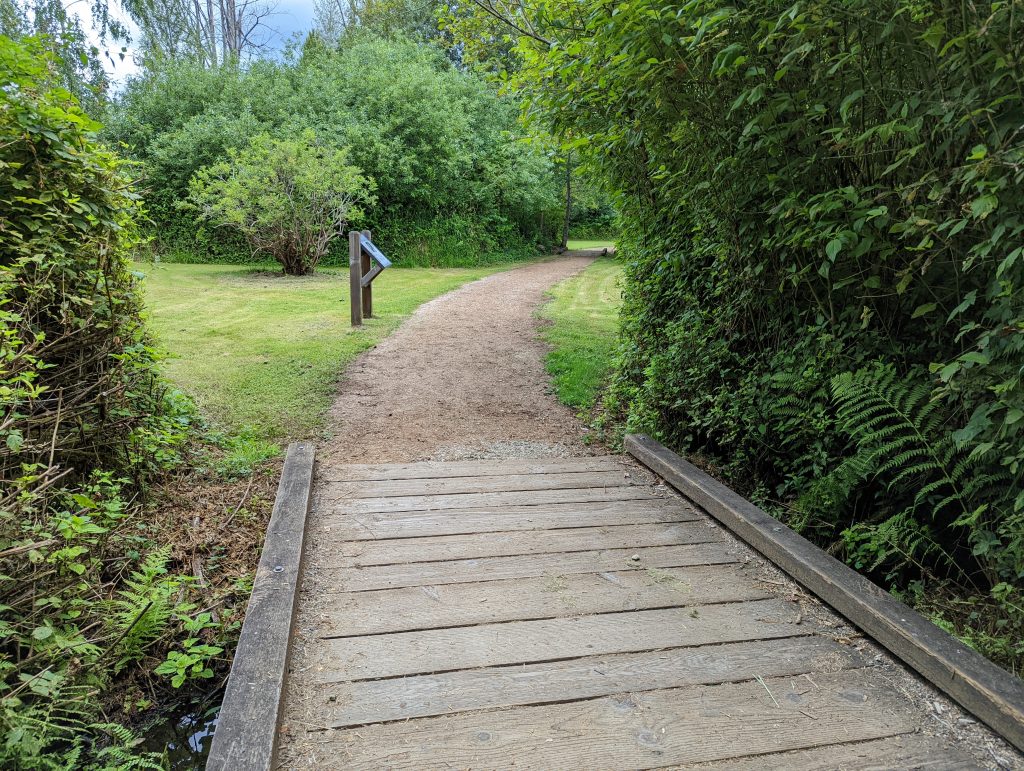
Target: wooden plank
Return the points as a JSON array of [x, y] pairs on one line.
[[377, 701], [518, 642], [355, 275], [364, 271], [493, 500], [509, 543], [920, 753], [524, 566], [484, 484], [247, 727], [991, 693], [641, 730], [416, 524], [520, 599], [472, 468]]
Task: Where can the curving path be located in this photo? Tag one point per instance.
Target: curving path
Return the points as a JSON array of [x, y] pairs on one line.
[[463, 378]]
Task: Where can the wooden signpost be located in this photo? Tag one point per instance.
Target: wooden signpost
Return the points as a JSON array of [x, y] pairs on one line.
[[362, 254]]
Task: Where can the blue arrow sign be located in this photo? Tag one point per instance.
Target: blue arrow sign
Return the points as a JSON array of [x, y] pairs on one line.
[[374, 252]]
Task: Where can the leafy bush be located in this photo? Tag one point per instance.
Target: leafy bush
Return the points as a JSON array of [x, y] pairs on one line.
[[85, 423], [444, 151], [820, 201], [289, 198]]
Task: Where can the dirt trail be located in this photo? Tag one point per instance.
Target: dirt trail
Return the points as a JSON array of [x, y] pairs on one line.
[[463, 378]]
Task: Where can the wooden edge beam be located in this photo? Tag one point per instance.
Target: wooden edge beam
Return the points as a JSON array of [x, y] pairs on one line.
[[988, 691], [246, 733]]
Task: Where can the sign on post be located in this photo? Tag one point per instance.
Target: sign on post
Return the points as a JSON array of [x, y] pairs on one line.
[[362, 254]]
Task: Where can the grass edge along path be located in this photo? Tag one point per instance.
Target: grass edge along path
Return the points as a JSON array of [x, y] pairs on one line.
[[261, 353], [582, 330]]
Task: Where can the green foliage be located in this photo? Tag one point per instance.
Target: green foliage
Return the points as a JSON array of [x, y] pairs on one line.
[[86, 423], [444, 151], [583, 316], [74, 62], [806, 189], [244, 452], [289, 198]]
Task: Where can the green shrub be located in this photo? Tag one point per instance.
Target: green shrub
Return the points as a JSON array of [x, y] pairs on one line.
[[444, 151], [289, 198], [812, 191], [85, 423]]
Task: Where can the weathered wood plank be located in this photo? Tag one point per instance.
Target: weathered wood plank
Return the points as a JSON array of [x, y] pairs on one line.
[[991, 693], [416, 524], [376, 701], [247, 727], [909, 751], [506, 483], [524, 566], [472, 468], [517, 642], [430, 607], [493, 500], [509, 543], [643, 730]]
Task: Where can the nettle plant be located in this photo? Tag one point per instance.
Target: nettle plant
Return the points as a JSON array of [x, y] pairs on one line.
[[288, 198]]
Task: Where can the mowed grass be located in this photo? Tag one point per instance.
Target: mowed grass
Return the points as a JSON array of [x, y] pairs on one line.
[[263, 352], [583, 315], [575, 243]]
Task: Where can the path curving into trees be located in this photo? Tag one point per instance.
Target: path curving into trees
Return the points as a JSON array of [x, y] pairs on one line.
[[463, 378]]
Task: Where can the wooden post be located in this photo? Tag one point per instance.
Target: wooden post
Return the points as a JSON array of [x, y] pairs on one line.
[[368, 289], [355, 277]]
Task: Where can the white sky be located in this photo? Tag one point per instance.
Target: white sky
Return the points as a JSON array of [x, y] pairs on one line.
[[290, 17]]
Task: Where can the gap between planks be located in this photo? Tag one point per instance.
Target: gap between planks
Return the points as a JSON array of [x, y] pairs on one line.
[[451, 469], [637, 730], [509, 483], [362, 579], [494, 499], [416, 524], [521, 543], [351, 704], [519, 642], [522, 599]]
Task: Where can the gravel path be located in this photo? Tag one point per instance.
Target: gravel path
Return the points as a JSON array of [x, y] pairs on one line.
[[463, 378]]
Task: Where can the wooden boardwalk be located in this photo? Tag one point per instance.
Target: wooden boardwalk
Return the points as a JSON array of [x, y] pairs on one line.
[[569, 614]]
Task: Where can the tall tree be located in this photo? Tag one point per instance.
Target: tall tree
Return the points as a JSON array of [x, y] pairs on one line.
[[209, 31], [76, 63]]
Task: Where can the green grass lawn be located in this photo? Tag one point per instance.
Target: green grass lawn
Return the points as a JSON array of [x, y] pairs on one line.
[[578, 243], [261, 351], [584, 323]]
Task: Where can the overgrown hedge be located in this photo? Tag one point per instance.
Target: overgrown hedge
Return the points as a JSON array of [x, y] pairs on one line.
[[85, 592], [824, 234]]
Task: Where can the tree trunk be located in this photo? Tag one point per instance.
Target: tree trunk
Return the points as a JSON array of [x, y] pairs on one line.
[[568, 200], [211, 32]]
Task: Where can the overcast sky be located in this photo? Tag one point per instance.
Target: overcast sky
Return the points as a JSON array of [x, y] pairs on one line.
[[289, 18]]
